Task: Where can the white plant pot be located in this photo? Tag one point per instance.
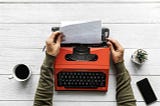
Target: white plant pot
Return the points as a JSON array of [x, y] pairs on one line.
[[135, 59]]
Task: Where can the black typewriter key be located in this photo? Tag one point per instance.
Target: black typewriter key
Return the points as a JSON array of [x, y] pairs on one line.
[[80, 77], [69, 76], [73, 77], [78, 73], [64, 83], [76, 76], [102, 84], [69, 83], [65, 76], [60, 83]]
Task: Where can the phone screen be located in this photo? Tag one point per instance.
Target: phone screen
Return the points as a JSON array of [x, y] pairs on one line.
[[146, 91]]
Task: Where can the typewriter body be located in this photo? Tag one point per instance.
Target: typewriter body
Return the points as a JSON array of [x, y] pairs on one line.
[[82, 66]]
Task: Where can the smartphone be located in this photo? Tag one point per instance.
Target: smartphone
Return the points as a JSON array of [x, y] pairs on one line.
[[146, 90]]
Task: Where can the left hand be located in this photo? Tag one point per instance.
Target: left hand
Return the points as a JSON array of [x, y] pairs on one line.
[[51, 46]]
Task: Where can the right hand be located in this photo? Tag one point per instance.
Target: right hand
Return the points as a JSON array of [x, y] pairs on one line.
[[53, 47], [116, 49]]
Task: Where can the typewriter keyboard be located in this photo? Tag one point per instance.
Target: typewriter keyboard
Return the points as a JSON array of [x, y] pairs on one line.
[[81, 79]]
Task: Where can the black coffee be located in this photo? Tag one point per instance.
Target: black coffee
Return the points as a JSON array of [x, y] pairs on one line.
[[22, 71]]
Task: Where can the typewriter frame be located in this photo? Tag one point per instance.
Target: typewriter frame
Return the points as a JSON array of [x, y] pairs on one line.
[[102, 64]]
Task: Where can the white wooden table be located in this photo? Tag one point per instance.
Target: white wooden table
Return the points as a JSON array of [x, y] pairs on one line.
[[25, 24]]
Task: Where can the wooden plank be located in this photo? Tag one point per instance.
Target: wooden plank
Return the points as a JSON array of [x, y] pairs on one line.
[[109, 1], [34, 58], [13, 90], [54, 13], [29, 103], [34, 35], [19, 45]]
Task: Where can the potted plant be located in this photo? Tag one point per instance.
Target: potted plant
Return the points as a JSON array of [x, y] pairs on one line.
[[139, 56]]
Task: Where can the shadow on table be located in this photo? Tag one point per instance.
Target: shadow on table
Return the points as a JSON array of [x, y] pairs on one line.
[[90, 93]]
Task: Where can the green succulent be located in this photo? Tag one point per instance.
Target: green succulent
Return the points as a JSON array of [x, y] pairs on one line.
[[141, 55]]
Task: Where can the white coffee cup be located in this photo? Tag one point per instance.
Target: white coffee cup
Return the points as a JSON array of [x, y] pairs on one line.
[[21, 72]]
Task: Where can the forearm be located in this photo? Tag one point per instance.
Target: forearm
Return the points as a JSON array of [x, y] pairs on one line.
[[124, 93], [44, 92]]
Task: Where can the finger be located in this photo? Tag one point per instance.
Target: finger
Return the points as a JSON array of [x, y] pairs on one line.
[[49, 42], [111, 46], [51, 38], [115, 43], [63, 37], [59, 39], [54, 34]]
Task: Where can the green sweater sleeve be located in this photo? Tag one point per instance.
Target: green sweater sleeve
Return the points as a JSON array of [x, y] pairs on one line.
[[44, 92], [124, 93]]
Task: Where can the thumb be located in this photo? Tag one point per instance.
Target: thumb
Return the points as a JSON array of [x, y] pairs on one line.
[[111, 46], [59, 39]]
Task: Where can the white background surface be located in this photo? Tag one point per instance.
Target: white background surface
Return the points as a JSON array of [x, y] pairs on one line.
[[25, 24]]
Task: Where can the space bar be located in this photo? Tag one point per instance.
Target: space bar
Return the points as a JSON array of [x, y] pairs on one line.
[[80, 86]]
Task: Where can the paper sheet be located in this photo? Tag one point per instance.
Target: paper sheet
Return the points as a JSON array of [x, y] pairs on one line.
[[81, 32]]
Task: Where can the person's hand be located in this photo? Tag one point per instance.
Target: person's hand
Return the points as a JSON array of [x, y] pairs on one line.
[[53, 43], [116, 49]]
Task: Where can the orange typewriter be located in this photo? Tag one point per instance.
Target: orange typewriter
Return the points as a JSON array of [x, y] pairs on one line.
[[83, 66]]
